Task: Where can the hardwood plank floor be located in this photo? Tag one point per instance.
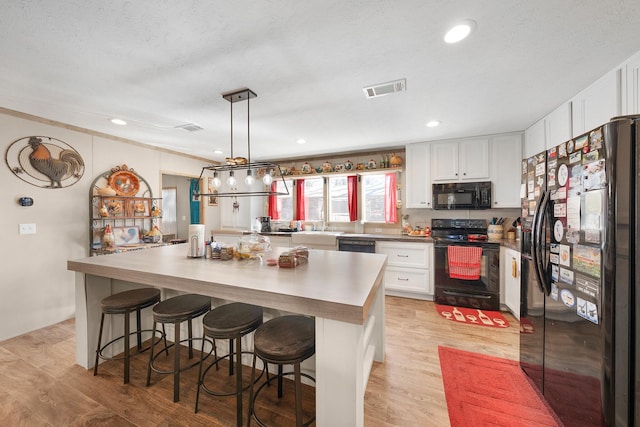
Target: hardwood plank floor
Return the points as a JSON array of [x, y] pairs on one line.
[[42, 386]]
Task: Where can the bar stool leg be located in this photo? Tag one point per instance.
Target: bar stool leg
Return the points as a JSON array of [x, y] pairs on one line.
[[139, 329], [238, 380], [230, 359], [153, 341], [95, 367], [190, 327], [251, 397], [296, 369], [127, 344], [176, 361]]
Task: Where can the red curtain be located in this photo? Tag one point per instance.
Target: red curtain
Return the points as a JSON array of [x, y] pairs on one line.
[[274, 212], [390, 211], [352, 197], [300, 205]]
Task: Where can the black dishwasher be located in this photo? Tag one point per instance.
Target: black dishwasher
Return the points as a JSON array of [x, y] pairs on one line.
[[353, 245]]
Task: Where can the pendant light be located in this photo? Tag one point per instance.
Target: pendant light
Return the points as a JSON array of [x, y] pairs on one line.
[[265, 172]]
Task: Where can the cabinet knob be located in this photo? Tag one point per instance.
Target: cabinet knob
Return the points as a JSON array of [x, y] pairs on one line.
[[465, 174]]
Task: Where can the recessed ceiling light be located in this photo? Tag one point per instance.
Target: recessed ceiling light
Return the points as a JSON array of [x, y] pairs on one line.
[[118, 122], [433, 123], [460, 31], [301, 141], [217, 152]]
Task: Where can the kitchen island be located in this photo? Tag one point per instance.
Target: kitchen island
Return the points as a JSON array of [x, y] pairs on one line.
[[344, 291]]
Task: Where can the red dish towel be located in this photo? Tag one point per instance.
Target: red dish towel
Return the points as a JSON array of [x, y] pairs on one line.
[[464, 262]]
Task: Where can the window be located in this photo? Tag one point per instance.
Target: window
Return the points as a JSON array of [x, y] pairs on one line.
[[373, 196], [283, 204], [313, 205], [338, 201]]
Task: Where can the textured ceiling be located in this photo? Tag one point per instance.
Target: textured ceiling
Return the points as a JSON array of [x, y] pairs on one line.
[[160, 64]]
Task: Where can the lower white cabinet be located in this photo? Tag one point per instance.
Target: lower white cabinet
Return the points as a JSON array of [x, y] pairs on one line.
[[279, 241], [409, 269], [511, 280]]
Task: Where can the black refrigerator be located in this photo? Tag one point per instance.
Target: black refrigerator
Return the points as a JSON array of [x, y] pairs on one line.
[[578, 288]]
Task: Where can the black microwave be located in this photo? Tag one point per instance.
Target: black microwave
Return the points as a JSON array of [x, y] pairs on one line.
[[462, 195]]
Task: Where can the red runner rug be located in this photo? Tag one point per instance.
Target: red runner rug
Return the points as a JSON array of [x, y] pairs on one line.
[[473, 316], [489, 391]]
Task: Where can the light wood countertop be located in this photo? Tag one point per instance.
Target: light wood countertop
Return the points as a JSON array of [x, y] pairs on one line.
[[334, 285]]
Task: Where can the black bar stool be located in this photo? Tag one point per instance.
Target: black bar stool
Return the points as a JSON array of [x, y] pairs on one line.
[[177, 310], [125, 303], [232, 322], [285, 340]]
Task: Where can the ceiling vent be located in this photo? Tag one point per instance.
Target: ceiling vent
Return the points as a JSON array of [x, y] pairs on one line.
[[189, 127], [385, 88]]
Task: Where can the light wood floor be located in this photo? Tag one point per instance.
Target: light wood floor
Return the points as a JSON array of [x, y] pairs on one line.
[[40, 385]]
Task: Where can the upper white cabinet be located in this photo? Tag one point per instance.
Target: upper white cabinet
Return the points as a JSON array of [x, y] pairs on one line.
[[548, 132], [463, 160], [534, 139], [240, 212], [631, 85], [557, 126], [597, 104], [417, 176], [506, 153]]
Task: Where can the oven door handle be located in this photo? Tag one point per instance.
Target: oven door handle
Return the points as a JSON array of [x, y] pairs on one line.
[[461, 294]]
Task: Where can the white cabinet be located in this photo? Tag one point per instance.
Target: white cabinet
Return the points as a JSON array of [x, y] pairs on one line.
[[631, 86], [315, 240], [550, 131], [409, 269], [534, 139], [597, 104], [462, 160], [511, 280], [558, 127], [417, 176], [240, 212], [230, 239], [506, 154], [279, 241]]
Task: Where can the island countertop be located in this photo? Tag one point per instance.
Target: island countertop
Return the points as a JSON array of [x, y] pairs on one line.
[[343, 291], [333, 285]]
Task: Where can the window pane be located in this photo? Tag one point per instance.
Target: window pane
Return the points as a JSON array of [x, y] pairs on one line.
[[338, 199], [314, 198], [373, 190], [285, 203]]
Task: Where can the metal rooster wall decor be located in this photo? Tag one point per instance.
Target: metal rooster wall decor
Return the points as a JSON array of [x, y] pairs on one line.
[[45, 162]]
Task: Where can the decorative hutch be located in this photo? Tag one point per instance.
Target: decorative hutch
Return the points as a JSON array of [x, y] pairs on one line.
[[124, 215]]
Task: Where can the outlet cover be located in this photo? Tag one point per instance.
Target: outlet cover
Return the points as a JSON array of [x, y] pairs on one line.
[[27, 229]]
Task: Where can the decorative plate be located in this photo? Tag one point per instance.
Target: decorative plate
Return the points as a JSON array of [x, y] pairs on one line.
[[125, 183]]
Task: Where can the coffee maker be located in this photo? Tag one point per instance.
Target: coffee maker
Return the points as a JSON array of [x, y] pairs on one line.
[[265, 224]]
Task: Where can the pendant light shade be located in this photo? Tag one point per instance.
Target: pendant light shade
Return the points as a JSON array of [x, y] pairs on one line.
[[254, 170]]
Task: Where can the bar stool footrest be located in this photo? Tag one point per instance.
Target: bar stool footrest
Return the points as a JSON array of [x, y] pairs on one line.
[[121, 337], [232, 393], [268, 383], [182, 368]]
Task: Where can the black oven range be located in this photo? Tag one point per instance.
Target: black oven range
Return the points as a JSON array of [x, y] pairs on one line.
[[467, 264]]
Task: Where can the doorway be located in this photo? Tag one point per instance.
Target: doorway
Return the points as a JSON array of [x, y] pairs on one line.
[[175, 206]]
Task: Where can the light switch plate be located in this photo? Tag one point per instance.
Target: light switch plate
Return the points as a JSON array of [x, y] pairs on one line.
[[27, 229]]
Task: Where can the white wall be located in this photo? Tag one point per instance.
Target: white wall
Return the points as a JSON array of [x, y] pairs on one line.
[[35, 287]]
